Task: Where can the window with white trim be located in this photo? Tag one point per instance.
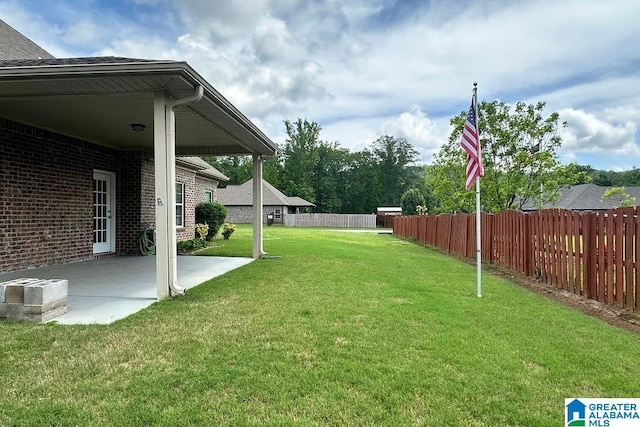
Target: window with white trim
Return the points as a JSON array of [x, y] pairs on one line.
[[208, 196], [179, 204], [278, 214]]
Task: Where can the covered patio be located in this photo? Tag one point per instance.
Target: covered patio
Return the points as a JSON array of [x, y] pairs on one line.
[[164, 108], [104, 290]]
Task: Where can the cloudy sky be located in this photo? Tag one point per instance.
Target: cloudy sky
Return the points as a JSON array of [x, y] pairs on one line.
[[364, 68]]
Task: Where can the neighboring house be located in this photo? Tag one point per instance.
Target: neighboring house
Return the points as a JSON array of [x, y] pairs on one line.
[[585, 197], [88, 155], [238, 199]]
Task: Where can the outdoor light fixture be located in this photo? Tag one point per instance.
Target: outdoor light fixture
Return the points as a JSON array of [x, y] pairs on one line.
[[137, 127]]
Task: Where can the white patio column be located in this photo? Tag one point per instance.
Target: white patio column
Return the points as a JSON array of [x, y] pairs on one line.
[[164, 209], [257, 207], [164, 143]]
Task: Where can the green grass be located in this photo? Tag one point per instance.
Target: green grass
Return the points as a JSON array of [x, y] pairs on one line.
[[239, 244], [345, 329]]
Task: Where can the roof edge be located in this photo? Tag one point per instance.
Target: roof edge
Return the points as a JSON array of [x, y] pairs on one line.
[[133, 66]]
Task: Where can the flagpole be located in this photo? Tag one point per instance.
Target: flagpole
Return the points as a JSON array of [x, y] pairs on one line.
[[478, 231]]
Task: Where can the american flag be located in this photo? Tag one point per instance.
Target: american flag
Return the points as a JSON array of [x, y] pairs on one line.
[[471, 144]]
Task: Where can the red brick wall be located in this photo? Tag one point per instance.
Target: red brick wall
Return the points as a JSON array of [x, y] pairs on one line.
[[194, 188], [129, 183], [188, 178], [46, 196], [147, 194], [202, 185]]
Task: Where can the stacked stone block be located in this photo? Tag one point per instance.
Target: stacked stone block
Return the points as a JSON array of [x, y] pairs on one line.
[[33, 300]]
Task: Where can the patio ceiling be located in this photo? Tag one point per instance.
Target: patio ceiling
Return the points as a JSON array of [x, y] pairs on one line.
[[97, 99]]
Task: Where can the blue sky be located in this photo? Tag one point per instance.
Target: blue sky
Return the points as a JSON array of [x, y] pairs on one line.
[[364, 68]]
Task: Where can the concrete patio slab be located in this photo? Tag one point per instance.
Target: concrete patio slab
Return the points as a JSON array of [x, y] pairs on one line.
[[104, 290]]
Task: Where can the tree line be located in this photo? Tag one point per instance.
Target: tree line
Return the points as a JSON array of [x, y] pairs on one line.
[[332, 177], [519, 143]]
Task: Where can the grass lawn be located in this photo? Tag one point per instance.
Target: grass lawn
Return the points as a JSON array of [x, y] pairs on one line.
[[345, 329]]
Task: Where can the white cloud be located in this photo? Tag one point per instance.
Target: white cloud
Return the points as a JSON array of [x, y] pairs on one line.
[[365, 67], [587, 133], [426, 135]]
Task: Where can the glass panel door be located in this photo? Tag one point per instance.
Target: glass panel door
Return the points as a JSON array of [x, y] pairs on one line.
[[102, 215]]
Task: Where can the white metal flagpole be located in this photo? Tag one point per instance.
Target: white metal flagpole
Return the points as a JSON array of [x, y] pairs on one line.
[[478, 242], [478, 233]]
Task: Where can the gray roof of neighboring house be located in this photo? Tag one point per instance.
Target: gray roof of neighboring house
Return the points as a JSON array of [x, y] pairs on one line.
[[202, 168], [585, 197], [242, 195], [17, 46]]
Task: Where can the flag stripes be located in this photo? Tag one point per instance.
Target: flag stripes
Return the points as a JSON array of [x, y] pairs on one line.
[[471, 144]]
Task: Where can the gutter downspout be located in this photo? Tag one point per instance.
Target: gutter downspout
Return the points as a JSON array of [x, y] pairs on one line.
[[170, 108]]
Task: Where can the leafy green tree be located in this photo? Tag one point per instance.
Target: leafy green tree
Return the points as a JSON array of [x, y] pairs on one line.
[[360, 191], [410, 201], [393, 156], [519, 152], [332, 177], [239, 169], [629, 178], [328, 177], [299, 157], [620, 195]]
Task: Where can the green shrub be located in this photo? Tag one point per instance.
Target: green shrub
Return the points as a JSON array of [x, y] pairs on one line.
[[411, 199], [212, 214], [202, 230], [228, 229], [191, 245]]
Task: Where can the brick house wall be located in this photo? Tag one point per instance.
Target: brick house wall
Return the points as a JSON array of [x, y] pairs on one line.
[[188, 178], [128, 189], [46, 200], [147, 194], [244, 214], [205, 184], [46, 203], [194, 188]]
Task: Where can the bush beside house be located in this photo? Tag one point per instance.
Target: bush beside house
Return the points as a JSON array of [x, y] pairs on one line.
[[212, 214]]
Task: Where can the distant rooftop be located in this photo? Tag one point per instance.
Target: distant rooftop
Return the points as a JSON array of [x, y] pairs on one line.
[[585, 197], [242, 195]]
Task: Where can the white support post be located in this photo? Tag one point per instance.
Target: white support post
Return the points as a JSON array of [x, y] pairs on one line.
[[163, 207], [257, 207]]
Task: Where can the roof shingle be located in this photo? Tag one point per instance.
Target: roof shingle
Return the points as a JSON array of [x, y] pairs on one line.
[[17, 46], [585, 197]]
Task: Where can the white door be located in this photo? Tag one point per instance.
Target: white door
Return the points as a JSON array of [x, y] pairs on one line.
[[103, 212]]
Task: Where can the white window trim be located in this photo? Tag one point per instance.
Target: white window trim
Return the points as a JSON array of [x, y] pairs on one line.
[[277, 214], [180, 205], [205, 195]]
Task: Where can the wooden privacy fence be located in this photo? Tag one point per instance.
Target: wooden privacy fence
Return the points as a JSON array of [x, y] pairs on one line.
[[592, 254], [384, 221]]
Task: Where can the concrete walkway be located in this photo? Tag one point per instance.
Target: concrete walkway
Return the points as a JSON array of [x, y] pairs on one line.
[[102, 291]]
